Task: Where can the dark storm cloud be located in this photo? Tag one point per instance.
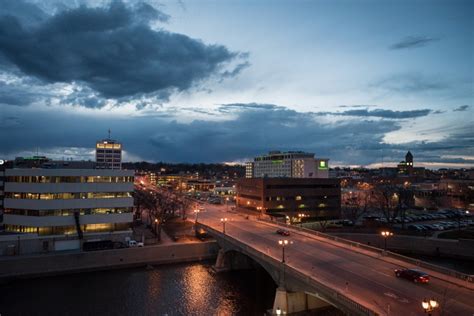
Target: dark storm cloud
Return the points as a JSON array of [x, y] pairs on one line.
[[112, 50], [26, 13], [253, 129], [387, 114], [413, 42], [461, 108]]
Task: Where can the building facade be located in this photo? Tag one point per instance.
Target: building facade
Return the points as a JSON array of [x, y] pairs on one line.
[[316, 199], [108, 154], [292, 164], [65, 200]]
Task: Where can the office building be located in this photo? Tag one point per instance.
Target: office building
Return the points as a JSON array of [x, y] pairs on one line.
[[108, 154], [67, 200], [292, 164], [317, 199]]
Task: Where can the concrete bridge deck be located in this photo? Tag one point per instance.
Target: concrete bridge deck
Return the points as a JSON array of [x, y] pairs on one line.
[[351, 277]]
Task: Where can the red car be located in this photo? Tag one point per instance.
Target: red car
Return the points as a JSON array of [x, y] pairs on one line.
[[412, 275], [283, 232]]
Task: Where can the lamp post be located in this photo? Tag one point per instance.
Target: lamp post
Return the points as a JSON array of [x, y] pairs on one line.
[[301, 215], [385, 235], [429, 305], [227, 204], [156, 223], [223, 221], [283, 243], [196, 211]]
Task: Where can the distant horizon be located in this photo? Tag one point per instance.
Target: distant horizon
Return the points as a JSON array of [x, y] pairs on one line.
[[386, 164]]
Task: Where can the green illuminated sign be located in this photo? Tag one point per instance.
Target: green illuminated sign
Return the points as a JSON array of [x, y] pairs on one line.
[[277, 161], [322, 164]]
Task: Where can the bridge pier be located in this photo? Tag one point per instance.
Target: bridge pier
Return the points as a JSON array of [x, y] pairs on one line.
[[294, 302], [220, 261]]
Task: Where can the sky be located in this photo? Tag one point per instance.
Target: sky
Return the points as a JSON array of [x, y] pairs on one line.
[[360, 82]]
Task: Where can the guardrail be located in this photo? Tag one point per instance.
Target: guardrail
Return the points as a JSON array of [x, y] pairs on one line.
[[420, 263], [325, 292]]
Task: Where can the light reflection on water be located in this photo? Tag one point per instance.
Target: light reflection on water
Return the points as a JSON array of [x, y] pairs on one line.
[[184, 289]]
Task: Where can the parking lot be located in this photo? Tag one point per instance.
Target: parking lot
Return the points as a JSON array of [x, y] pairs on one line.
[[422, 221]]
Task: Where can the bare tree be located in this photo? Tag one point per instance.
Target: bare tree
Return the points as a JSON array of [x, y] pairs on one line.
[[393, 201], [356, 204]]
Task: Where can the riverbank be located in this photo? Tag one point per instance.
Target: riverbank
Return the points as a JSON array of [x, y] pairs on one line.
[[76, 262]]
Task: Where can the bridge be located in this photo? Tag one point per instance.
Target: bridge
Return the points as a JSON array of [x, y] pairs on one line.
[[314, 270]]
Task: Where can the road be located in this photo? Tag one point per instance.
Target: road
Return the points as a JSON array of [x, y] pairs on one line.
[[371, 281]]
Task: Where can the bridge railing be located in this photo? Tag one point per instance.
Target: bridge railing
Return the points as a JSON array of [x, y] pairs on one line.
[[324, 291], [449, 272]]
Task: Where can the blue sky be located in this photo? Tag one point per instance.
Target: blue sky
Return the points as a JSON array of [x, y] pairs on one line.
[[360, 82]]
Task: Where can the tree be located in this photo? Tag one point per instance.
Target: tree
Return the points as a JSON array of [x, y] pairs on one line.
[[356, 203], [393, 201]]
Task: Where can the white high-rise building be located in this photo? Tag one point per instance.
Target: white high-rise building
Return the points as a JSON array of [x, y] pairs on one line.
[[68, 200], [292, 164], [108, 154]]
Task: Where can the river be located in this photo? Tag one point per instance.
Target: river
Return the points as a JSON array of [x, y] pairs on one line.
[[180, 289]]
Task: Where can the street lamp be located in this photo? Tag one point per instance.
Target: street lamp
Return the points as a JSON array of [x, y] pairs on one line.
[[223, 220], [283, 243], [196, 211], [429, 305], [301, 215], [385, 235], [156, 223], [227, 204]]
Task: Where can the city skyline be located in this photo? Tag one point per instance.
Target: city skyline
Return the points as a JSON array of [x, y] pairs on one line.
[[182, 81]]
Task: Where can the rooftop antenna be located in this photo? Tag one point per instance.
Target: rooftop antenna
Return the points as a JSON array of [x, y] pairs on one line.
[[109, 133]]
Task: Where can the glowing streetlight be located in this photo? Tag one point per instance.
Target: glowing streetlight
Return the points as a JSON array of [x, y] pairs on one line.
[[156, 223], [283, 243], [386, 234], [278, 311], [196, 211], [429, 305], [223, 221], [300, 216]]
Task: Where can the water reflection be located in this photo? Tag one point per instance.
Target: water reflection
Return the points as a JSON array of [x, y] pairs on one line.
[[187, 289]]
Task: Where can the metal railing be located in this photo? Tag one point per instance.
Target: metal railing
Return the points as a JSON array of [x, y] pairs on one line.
[[420, 263], [325, 292]]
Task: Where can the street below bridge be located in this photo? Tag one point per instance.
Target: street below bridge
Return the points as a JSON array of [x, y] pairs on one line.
[[363, 278]]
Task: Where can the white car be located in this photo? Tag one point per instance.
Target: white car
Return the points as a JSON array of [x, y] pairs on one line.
[[134, 243]]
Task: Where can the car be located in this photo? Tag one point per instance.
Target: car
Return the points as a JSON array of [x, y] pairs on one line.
[[133, 243], [283, 232], [413, 275]]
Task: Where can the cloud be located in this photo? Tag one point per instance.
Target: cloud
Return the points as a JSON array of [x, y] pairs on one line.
[[381, 113], [113, 51], [461, 108], [249, 130], [410, 83], [357, 106], [413, 42]]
